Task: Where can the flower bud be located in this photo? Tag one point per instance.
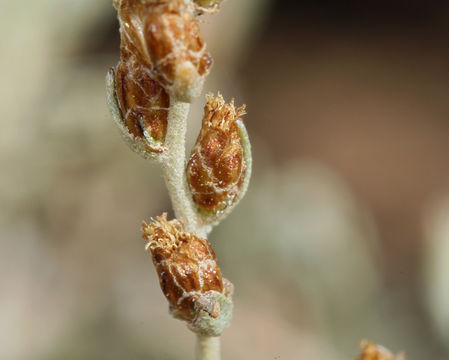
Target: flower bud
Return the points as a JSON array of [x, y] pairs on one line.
[[372, 351], [218, 166], [143, 102], [139, 107], [189, 276], [164, 35], [177, 49]]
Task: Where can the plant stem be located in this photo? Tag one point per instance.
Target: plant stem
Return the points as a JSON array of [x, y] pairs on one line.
[[207, 348], [173, 164]]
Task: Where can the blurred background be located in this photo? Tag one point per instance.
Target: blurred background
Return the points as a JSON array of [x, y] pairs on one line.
[[343, 235]]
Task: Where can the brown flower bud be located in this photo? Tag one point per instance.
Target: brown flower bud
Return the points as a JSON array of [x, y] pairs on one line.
[[217, 168], [164, 35], [372, 351], [187, 268], [144, 104]]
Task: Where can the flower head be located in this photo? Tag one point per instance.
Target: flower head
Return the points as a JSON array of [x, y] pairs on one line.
[[216, 169], [165, 37], [143, 103], [188, 272]]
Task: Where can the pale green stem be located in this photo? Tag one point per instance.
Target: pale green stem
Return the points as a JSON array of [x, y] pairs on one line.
[[173, 163], [207, 348]]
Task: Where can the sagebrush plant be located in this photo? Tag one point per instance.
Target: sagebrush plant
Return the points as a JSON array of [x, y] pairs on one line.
[[162, 68]]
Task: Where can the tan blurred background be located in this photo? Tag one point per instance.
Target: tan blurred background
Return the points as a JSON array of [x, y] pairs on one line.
[[343, 235]]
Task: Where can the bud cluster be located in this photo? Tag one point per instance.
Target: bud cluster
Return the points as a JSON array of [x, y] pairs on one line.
[[163, 65], [163, 58]]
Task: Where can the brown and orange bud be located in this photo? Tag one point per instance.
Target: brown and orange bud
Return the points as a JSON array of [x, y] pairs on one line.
[[165, 37], [139, 107], [188, 272], [217, 169], [144, 104], [372, 351]]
